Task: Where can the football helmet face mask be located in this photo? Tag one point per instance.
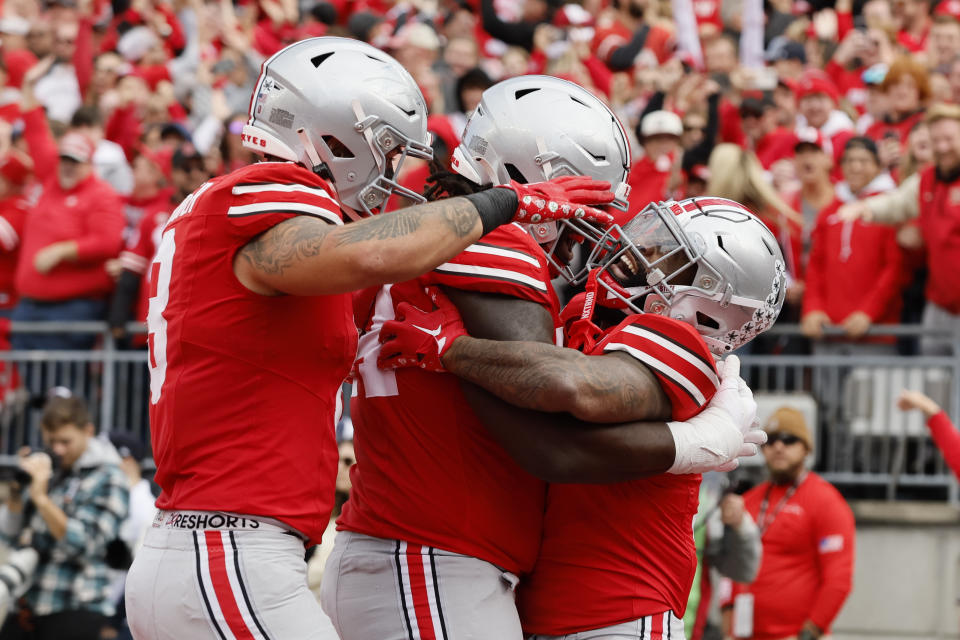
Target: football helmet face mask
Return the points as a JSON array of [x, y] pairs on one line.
[[705, 261], [534, 128], [345, 110]]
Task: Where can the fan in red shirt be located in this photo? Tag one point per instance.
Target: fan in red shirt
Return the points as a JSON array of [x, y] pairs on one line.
[[15, 171], [856, 269], [907, 88], [656, 174], [251, 332], [74, 227], [913, 19], [808, 533]]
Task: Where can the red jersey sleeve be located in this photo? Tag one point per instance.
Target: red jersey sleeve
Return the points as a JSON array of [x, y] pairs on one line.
[[265, 194], [676, 354], [506, 261]]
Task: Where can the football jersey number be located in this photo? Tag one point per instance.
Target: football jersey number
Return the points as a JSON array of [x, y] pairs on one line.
[[376, 382], [160, 272]]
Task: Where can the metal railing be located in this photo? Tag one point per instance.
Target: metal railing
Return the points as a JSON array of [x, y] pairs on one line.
[[114, 382], [862, 440]]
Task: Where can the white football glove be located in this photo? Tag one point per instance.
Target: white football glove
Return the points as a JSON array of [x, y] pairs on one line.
[[725, 430], [735, 396]]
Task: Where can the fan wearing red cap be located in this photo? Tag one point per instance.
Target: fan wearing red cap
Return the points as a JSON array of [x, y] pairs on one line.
[[817, 98], [74, 227], [654, 175]]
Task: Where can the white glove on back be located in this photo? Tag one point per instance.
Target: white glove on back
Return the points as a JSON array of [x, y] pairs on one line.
[[725, 430]]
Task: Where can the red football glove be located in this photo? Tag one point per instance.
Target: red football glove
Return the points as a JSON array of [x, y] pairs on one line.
[[561, 198], [419, 338]]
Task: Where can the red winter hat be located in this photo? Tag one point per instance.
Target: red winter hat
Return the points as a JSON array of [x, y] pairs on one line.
[[16, 167], [814, 82]]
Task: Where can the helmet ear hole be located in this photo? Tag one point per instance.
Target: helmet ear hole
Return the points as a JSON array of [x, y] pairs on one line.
[[514, 173], [704, 320], [337, 148]]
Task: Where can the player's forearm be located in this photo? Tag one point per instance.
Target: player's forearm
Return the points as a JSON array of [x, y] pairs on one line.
[[530, 375], [558, 448], [544, 377], [402, 245], [305, 256]]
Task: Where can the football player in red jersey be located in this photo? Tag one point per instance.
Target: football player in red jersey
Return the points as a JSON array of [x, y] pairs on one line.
[[440, 519], [251, 332], [700, 278]]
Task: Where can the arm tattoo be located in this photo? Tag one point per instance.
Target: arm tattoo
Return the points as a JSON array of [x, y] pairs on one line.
[[457, 214], [460, 217], [285, 244], [383, 226], [547, 378]]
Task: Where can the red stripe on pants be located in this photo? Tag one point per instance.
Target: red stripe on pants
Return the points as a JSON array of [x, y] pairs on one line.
[[216, 560], [418, 592], [656, 626]]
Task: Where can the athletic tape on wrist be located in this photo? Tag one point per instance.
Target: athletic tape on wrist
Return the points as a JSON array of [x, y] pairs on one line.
[[494, 206]]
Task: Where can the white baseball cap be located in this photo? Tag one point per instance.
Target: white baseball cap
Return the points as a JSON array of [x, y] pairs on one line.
[[658, 123]]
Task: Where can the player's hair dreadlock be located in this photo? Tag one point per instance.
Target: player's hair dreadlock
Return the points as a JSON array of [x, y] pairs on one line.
[[443, 183]]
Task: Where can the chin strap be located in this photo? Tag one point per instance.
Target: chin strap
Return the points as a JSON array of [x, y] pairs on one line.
[[319, 167], [582, 334]]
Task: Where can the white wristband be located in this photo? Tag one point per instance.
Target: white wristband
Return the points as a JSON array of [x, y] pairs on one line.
[[705, 441]]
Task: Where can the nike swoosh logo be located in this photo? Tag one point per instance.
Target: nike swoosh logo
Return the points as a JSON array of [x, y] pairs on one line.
[[433, 332], [429, 332]]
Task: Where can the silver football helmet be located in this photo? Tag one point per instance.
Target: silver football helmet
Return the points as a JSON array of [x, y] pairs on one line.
[[345, 110], [534, 128], [705, 261]]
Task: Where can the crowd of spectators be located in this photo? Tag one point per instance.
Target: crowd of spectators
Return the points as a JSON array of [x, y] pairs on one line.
[[112, 111]]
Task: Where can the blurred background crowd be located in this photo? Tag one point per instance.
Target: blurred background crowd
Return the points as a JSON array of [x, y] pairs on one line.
[[112, 112]]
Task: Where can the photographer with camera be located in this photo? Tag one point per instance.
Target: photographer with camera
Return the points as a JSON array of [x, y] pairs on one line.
[[69, 513]]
